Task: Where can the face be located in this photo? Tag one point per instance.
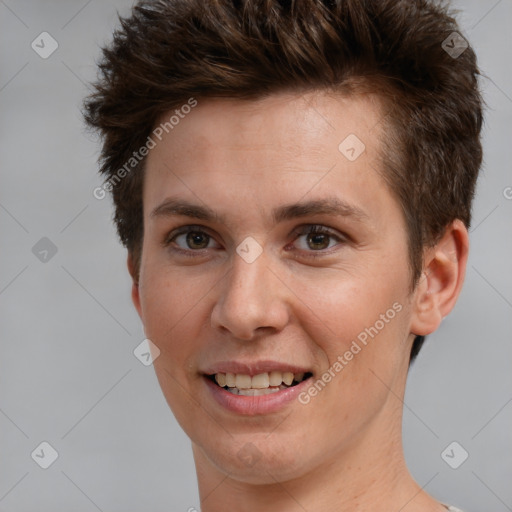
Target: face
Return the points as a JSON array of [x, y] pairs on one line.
[[273, 250]]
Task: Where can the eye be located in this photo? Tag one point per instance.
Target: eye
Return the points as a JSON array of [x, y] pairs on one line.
[[189, 238], [311, 239], [317, 238]]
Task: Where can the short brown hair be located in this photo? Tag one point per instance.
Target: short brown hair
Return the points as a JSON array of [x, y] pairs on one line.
[[168, 51]]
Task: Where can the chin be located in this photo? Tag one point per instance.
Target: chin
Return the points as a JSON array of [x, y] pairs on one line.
[[253, 459]]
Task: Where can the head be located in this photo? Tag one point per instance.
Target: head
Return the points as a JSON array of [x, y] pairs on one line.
[[243, 108]]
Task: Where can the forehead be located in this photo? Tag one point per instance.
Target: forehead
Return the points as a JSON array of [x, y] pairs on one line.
[[271, 150], [286, 122]]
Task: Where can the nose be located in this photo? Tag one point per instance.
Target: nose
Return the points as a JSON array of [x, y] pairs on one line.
[[252, 300]]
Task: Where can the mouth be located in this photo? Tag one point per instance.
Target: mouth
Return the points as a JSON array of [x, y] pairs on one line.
[[258, 385]]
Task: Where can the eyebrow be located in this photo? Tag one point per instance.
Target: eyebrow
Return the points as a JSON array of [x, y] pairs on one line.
[[327, 206]]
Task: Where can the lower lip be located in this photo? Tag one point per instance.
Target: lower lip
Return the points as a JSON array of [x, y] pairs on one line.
[[253, 405]]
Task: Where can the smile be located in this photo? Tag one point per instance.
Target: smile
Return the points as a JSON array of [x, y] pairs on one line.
[[258, 385], [263, 393]]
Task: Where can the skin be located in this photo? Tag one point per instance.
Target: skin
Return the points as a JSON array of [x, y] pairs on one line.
[[343, 450]]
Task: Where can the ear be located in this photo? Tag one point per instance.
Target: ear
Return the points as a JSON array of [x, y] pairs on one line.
[[135, 283], [439, 287]]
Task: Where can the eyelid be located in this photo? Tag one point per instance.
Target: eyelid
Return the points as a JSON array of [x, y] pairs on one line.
[[317, 228]]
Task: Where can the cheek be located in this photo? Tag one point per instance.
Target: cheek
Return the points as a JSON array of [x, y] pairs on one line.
[[168, 303], [336, 306], [171, 310], [358, 324]]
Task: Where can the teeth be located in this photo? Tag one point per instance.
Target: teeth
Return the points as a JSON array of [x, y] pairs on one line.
[[221, 379], [275, 378], [256, 392], [242, 381], [288, 378], [262, 381], [230, 380]]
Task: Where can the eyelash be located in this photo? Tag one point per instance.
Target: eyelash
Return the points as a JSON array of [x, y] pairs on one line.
[[304, 230]]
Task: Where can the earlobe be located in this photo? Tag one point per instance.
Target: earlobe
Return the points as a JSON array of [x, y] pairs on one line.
[[443, 276], [135, 283]]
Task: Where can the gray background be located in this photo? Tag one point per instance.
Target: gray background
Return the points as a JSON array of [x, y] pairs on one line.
[[68, 375]]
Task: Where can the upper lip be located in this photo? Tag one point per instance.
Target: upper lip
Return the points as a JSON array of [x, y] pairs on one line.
[[253, 368]]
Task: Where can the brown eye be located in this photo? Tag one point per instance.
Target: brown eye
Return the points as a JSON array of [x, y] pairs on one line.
[[189, 238], [197, 240], [318, 241], [316, 238]]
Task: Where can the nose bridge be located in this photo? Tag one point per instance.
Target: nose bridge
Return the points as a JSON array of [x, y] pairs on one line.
[[245, 278], [250, 296]]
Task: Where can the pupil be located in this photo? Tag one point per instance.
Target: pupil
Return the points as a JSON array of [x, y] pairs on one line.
[[319, 239], [195, 238]]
